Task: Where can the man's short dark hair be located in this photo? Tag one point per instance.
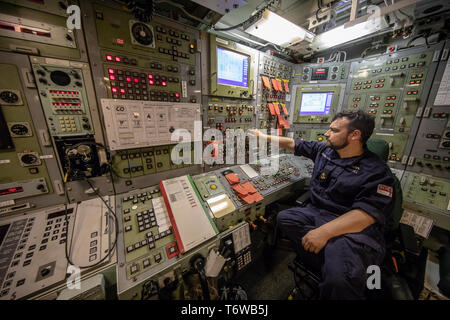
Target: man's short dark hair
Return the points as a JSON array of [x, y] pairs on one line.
[[358, 120]]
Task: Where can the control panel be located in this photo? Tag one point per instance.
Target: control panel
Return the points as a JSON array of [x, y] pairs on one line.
[[274, 93], [33, 246], [147, 249], [247, 188], [393, 88], [150, 61], [145, 123], [24, 170], [138, 162], [62, 90], [225, 113], [325, 72], [427, 195], [430, 153], [39, 29]]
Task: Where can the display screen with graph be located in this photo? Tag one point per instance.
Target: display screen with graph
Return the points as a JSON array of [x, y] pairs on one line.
[[232, 68]]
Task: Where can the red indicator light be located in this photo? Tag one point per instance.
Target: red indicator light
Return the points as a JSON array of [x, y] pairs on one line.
[[117, 59], [164, 83], [320, 71], [128, 79], [114, 90], [136, 80], [109, 57], [119, 41], [110, 70], [150, 76], [112, 77], [122, 90], [177, 95], [151, 82], [10, 190]]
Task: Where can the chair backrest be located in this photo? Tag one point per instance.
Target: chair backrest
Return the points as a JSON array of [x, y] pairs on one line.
[[381, 148]]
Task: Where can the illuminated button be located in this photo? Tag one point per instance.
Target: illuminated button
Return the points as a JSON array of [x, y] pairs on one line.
[[319, 138], [213, 187]]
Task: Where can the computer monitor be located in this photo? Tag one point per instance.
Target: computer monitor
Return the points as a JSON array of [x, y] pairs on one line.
[[232, 68], [316, 103]]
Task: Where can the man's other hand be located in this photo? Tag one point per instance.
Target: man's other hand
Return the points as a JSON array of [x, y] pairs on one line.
[[315, 240]]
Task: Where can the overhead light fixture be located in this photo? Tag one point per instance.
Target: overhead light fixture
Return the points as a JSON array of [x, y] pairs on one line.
[[341, 35], [276, 29]]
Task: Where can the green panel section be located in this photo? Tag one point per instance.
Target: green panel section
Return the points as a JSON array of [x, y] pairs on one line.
[[311, 134], [141, 84], [396, 141], [226, 90], [148, 160], [428, 191], [208, 186], [13, 170], [161, 42], [204, 205], [44, 48], [65, 104], [120, 165], [137, 162], [223, 114], [315, 118], [375, 81], [162, 158]]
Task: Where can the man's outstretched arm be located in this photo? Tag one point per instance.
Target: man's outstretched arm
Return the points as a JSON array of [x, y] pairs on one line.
[[283, 142]]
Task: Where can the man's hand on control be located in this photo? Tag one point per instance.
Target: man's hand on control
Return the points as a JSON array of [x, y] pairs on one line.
[[315, 240]]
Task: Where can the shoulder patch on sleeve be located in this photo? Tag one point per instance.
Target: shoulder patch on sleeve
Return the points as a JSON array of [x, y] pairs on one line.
[[385, 190]]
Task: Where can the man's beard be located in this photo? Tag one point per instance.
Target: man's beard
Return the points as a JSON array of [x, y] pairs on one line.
[[338, 147]]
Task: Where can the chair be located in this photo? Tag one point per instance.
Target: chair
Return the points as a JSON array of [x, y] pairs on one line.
[[400, 238]]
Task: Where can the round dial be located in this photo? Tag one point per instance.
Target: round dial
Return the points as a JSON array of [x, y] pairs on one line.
[[19, 129], [29, 158], [60, 78], [9, 97], [142, 34]]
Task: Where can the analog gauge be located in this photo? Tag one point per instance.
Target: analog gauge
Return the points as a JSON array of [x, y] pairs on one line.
[[60, 78], [9, 97], [19, 129], [29, 159], [142, 34]]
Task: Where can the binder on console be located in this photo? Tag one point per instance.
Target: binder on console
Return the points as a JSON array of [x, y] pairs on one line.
[[191, 223]]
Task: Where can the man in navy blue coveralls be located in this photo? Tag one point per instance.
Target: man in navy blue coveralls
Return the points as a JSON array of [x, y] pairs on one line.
[[342, 231]]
